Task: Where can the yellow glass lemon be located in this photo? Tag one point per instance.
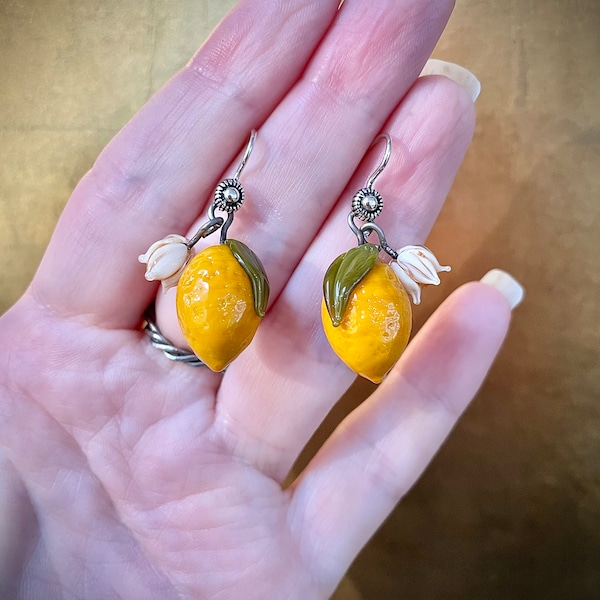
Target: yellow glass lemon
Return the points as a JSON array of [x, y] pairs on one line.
[[216, 305], [375, 325]]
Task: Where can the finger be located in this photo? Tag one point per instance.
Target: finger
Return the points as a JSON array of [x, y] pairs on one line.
[[153, 177], [289, 376], [379, 451], [310, 146]]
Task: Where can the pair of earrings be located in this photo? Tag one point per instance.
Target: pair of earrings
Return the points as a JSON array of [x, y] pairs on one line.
[[223, 291]]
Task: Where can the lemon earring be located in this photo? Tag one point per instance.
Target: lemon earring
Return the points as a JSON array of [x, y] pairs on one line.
[[366, 310], [222, 292]]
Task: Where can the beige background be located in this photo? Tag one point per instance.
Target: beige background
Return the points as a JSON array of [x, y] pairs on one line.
[[510, 508]]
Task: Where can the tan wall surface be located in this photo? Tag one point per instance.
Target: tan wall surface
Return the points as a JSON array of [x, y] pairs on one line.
[[510, 508]]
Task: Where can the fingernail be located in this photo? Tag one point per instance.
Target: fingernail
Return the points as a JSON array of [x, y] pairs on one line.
[[507, 285], [455, 72]]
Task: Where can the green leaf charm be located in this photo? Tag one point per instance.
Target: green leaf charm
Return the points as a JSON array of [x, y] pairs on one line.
[[258, 278], [343, 275]]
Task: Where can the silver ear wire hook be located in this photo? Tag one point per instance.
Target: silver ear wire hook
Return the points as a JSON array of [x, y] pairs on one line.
[[229, 195], [367, 203], [384, 161], [247, 154]]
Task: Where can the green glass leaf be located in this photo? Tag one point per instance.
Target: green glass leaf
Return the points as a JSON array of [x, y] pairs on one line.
[[256, 272], [329, 284], [343, 275]]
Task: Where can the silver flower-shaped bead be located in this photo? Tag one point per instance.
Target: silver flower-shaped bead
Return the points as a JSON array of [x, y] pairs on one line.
[[416, 266], [166, 259]]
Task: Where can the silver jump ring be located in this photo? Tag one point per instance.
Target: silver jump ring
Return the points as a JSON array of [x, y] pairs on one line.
[[172, 352]]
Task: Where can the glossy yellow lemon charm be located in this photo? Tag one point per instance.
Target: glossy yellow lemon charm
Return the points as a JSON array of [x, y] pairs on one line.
[[366, 312], [221, 297]]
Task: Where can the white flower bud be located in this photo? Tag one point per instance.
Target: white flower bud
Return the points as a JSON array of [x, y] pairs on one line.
[[417, 265], [166, 259], [411, 286]]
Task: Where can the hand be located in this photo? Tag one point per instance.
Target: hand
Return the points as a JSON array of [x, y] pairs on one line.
[[128, 476]]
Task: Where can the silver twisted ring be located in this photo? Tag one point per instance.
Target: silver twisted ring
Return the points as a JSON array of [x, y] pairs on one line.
[[159, 341]]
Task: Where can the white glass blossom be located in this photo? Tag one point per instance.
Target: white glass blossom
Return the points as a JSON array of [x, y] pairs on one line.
[[166, 259], [416, 266]]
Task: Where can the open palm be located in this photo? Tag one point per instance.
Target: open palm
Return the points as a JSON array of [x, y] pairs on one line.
[[129, 476]]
